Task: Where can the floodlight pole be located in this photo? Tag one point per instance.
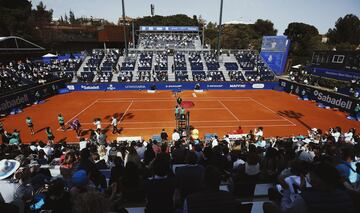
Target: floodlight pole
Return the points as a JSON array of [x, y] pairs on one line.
[[133, 33], [125, 34], [219, 29]]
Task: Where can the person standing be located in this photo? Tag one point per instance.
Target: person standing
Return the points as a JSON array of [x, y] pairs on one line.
[[1, 128], [97, 123], [75, 125], [177, 112], [182, 113], [15, 138], [164, 136], [30, 124], [175, 136], [179, 101], [61, 122], [50, 135], [114, 125], [37, 97], [357, 111]]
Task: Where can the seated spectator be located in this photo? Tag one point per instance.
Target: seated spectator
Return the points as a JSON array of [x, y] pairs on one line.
[[326, 194], [149, 154], [211, 199], [57, 200], [347, 169], [68, 166], [178, 153], [132, 156], [160, 188], [189, 177], [131, 183]]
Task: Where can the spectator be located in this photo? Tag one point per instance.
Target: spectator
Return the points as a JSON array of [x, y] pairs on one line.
[[326, 194], [163, 135], [175, 136], [211, 199], [160, 188], [189, 177]]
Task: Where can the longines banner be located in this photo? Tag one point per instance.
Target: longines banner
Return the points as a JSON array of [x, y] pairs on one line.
[[23, 97], [331, 99]]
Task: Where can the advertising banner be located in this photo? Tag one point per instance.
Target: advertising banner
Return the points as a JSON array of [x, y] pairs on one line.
[[328, 98], [335, 74], [21, 98], [170, 28], [172, 86]]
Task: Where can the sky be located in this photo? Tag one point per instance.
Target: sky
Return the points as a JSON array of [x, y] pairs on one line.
[[320, 13]]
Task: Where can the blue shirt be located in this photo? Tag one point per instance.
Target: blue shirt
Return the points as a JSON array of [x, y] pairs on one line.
[[346, 172]]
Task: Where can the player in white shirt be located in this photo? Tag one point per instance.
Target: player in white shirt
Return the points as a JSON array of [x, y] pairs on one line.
[[175, 136], [97, 123], [114, 125]]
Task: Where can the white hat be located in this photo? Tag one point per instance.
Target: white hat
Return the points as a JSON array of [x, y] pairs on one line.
[[8, 167]]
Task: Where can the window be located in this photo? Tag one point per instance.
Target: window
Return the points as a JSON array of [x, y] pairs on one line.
[[338, 59]]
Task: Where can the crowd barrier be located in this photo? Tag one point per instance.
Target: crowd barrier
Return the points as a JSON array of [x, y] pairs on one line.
[[27, 96], [334, 74], [325, 97], [172, 86]]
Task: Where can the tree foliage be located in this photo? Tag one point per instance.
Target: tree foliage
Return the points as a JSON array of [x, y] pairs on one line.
[[347, 30], [304, 38], [175, 20], [240, 36], [17, 18]]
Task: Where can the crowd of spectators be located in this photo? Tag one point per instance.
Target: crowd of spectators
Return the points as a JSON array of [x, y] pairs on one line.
[[317, 172], [167, 41], [145, 61], [253, 66], [211, 60], [161, 61], [351, 88], [23, 74]]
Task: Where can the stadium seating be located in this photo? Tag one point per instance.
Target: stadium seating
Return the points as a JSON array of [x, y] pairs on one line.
[[167, 41]]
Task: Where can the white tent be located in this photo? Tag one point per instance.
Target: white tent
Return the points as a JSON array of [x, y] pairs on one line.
[[297, 66], [49, 55]]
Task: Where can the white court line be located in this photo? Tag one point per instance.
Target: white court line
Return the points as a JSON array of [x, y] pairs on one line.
[[110, 99], [217, 121], [173, 109], [272, 111], [125, 111], [228, 110], [145, 101], [79, 113], [162, 127]]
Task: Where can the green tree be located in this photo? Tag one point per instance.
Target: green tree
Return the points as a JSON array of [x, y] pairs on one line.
[[72, 18], [264, 28], [304, 38], [347, 30], [41, 16], [15, 18]]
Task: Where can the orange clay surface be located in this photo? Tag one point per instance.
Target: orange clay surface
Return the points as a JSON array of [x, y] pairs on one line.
[[144, 114]]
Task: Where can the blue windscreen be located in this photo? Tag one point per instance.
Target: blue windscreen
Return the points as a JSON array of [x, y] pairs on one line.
[[274, 51]]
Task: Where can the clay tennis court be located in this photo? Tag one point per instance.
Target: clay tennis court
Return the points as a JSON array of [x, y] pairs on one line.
[[144, 114]]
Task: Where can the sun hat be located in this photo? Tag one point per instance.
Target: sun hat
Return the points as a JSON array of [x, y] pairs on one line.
[[8, 167]]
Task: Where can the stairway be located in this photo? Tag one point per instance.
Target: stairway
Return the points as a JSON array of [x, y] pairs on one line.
[[81, 69], [171, 75]]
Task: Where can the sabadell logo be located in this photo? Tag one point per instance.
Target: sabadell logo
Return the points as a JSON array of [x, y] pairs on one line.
[[339, 102]]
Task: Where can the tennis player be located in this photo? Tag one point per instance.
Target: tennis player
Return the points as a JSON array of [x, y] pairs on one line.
[[30, 124], [50, 135], [114, 123], [61, 122]]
